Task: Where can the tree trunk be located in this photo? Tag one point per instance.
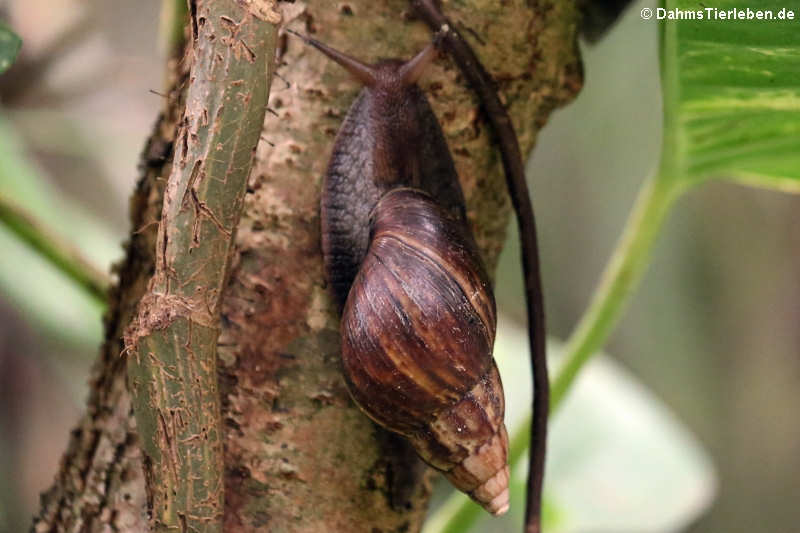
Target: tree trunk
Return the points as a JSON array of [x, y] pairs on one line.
[[299, 456]]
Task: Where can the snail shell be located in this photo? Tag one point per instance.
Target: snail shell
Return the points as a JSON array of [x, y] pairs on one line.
[[418, 319], [417, 334]]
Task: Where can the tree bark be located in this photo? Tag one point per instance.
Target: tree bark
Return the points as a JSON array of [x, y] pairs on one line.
[[299, 456]]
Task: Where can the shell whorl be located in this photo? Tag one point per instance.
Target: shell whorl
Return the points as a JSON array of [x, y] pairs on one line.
[[418, 329]]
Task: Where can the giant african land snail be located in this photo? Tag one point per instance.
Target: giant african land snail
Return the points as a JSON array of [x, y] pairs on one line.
[[418, 319]]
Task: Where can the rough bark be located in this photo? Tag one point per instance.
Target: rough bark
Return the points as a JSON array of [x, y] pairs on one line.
[[299, 456]]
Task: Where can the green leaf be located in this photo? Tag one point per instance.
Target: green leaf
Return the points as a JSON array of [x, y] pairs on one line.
[[10, 44], [618, 459], [731, 97], [731, 107]]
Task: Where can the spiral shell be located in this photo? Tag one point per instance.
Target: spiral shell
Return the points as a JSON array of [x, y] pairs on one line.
[[418, 329]]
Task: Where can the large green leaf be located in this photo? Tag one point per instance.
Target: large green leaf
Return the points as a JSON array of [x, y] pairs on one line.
[[731, 109], [731, 93], [9, 46]]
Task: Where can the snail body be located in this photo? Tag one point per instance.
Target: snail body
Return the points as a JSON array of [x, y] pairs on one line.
[[418, 312]]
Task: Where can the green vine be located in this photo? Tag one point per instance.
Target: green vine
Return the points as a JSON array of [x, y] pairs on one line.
[[617, 284]]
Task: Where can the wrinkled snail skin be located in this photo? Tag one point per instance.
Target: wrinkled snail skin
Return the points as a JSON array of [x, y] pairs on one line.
[[418, 312], [390, 120]]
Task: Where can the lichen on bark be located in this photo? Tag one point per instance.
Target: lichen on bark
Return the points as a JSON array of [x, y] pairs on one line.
[[298, 455]]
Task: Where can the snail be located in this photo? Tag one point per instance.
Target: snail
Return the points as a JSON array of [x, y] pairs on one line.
[[418, 313]]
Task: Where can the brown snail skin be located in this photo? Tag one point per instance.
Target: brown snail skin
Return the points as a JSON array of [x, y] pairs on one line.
[[418, 312]]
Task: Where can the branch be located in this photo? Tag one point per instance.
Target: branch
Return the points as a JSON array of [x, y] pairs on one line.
[[483, 84], [60, 254], [172, 367]]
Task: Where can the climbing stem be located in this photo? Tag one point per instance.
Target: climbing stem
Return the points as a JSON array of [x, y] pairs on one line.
[[172, 343], [622, 273]]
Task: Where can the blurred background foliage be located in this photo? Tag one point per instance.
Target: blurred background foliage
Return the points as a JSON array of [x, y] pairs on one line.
[[710, 338]]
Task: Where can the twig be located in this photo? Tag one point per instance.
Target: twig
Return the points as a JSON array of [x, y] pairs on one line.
[[483, 84], [63, 256]]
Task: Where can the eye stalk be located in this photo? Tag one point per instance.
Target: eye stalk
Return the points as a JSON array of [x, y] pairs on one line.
[[360, 71], [407, 74]]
